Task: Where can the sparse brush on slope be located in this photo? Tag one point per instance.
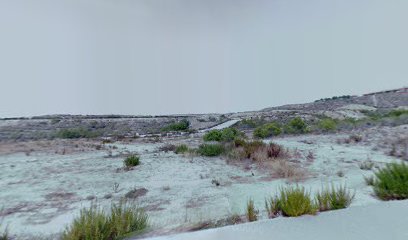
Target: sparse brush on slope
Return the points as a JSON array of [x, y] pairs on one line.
[[334, 198], [95, 224], [181, 149], [391, 182], [210, 150]]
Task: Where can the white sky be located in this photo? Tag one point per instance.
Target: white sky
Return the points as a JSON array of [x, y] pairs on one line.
[[195, 56]]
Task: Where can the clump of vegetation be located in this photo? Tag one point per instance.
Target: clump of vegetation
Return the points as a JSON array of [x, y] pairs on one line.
[[397, 113], [77, 133], [251, 123], [391, 182], [268, 130], [296, 126], [210, 150], [224, 135], [181, 149], [251, 212], [94, 223], [167, 148], [131, 161], [327, 125], [334, 198], [296, 201], [182, 125], [272, 206], [366, 165]]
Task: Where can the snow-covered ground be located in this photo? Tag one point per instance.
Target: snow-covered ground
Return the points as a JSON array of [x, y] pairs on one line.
[[41, 193], [381, 221]]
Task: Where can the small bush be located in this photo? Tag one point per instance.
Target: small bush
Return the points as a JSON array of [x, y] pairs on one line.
[[397, 113], [252, 146], [225, 135], [210, 150], [327, 125], [251, 212], [267, 130], [332, 199], [296, 201], [167, 148], [95, 223], [296, 126], [213, 135], [391, 182], [183, 125], [77, 133], [131, 161], [181, 149]]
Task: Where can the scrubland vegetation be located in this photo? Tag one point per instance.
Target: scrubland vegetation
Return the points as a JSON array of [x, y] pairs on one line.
[[94, 223], [182, 125], [391, 182]]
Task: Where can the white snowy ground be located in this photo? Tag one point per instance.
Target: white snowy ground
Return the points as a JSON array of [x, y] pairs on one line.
[[380, 221], [42, 193]]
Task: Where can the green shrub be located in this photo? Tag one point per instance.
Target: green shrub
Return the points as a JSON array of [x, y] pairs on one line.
[[332, 199], [213, 135], [77, 133], [397, 113], [210, 150], [391, 182], [296, 201], [327, 125], [94, 223], [131, 161], [225, 135], [181, 149], [267, 130], [296, 126], [251, 212], [182, 125]]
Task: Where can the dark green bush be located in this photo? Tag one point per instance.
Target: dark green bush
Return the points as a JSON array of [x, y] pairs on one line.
[[327, 125], [182, 125], [267, 130], [397, 113], [181, 149], [391, 182], [77, 133], [225, 135], [131, 161], [332, 199], [296, 126], [210, 150], [213, 135], [94, 223]]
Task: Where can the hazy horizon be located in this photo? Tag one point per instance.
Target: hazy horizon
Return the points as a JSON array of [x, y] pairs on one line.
[[155, 57]]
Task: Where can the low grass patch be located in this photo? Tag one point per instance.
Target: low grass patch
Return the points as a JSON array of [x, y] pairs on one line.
[[251, 212], [181, 149], [391, 182], [210, 150], [334, 198], [122, 220], [292, 202], [131, 161]]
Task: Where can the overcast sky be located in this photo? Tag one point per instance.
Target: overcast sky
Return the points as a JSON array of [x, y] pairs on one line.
[[195, 56]]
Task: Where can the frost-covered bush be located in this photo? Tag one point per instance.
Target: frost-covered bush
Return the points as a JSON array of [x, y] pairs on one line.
[[267, 130], [327, 125]]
